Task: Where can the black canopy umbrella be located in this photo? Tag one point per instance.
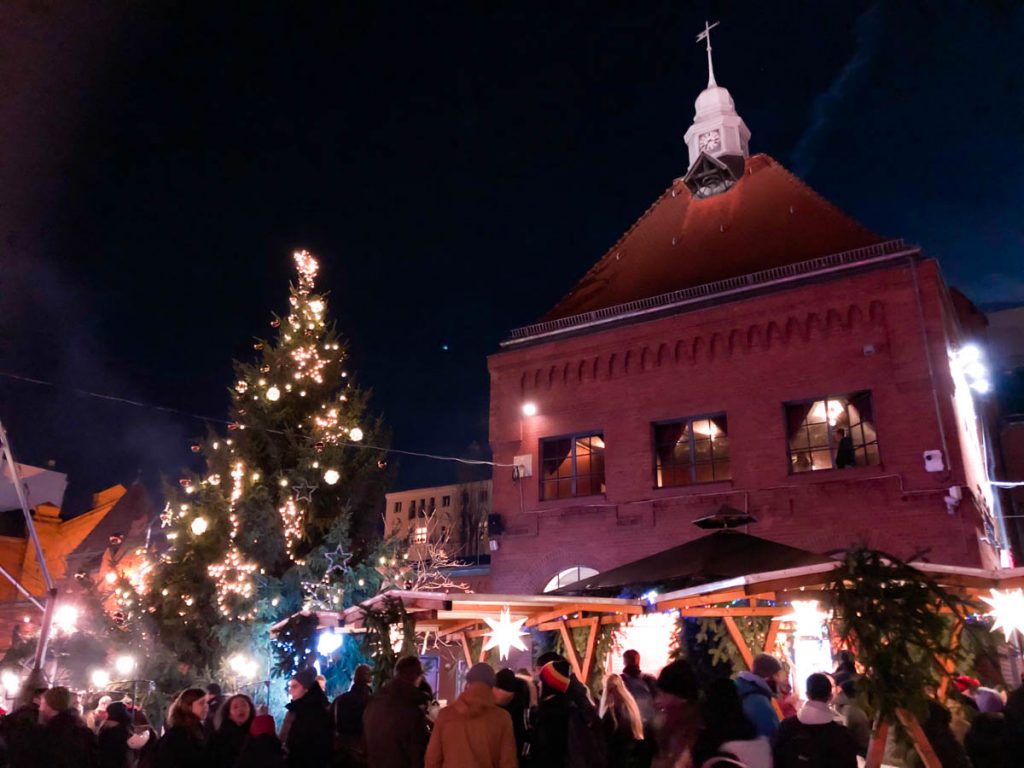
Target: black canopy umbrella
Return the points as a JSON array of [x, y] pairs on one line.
[[724, 554]]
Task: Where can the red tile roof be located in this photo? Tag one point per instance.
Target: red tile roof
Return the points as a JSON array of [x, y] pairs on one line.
[[768, 219]]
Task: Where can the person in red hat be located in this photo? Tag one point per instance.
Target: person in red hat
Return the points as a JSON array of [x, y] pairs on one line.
[[262, 749]]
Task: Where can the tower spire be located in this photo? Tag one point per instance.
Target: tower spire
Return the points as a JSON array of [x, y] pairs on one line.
[[706, 35]]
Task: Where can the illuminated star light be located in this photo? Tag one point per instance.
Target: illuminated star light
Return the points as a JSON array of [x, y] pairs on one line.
[[303, 491], [505, 634], [1007, 611]]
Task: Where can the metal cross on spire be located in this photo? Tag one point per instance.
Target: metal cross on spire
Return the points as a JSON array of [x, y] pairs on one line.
[[706, 35]]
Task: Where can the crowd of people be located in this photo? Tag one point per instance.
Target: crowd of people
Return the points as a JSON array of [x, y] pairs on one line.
[[540, 718]]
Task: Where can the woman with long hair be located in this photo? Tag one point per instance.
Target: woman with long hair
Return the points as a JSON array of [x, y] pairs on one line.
[[623, 726], [726, 731], [230, 728], [183, 744]]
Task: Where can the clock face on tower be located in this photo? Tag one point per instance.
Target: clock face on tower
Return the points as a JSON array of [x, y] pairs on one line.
[[709, 141]]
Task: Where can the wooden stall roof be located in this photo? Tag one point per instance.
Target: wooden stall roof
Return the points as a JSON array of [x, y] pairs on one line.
[[789, 583]]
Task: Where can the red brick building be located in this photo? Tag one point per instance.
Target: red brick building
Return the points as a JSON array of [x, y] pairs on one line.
[[747, 344]]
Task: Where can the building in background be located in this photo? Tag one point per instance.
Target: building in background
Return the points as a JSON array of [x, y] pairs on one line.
[[745, 345], [1005, 334], [454, 518], [102, 539]]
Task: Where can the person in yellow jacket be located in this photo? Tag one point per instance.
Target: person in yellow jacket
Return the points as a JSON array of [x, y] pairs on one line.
[[474, 732]]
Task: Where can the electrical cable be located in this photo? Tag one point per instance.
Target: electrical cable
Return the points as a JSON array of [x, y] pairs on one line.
[[211, 419]]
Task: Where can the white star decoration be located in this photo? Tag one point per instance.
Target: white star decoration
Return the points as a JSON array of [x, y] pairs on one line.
[[1008, 611], [505, 634], [303, 491], [337, 560]]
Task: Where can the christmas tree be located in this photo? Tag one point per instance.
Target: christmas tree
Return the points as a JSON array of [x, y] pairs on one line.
[[290, 498]]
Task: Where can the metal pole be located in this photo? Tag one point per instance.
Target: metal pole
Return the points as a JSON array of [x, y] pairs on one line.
[[17, 585], [44, 631]]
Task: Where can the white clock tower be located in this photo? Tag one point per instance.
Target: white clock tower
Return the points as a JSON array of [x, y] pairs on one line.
[[717, 129]]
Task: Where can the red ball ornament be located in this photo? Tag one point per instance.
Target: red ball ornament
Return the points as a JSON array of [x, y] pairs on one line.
[[258, 346], [264, 369], [275, 323], [318, 447], [195, 447], [118, 617], [382, 464], [232, 426]]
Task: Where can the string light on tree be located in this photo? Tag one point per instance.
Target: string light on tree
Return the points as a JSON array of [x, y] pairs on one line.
[[331, 476]]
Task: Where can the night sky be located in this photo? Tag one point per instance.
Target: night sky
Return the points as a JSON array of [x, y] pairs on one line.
[[455, 166]]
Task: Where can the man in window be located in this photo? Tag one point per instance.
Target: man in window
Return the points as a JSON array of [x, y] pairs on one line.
[[845, 456]]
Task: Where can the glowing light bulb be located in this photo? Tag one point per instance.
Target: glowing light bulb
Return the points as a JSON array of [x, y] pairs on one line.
[[356, 434], [273, 394], [529, 409], [124, 665], [331, 476], [100, 678], [283, 482], [199, 526], [110, 578]]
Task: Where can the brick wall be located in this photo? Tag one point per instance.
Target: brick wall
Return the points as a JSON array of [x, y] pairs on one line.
[[745, 358]]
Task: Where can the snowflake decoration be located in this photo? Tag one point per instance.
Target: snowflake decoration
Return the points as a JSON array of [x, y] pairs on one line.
[[1007, 611], [505, 634]]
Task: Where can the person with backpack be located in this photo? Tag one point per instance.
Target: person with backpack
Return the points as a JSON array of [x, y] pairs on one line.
[[347, 712], [757, 691], [815, 738], [512, 693]]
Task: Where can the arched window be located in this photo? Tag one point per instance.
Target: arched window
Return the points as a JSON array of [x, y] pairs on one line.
[[569, 576]]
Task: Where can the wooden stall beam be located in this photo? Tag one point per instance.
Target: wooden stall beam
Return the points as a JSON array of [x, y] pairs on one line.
[[588, 657], [570, 650], [465, 650], [737, 638]]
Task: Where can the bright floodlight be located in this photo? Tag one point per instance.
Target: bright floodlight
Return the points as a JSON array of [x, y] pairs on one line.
[[124, 665], [328, 642], [981, 385], [969, 353], [243, 666], [100, 678], [65, 618], [11, 683], [529, 409]]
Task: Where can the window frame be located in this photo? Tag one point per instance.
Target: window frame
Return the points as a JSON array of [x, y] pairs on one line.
[[848, 396], [572, 437], [688, 420]]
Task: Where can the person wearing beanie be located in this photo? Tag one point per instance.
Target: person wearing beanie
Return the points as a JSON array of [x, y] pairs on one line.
[[815, 737], [347, 712], [112, 739], [474, 732], [65, 740], [512, 693], [395, 721], [757, 691], [676, 717], [568, 732], [262, 748], [306, 732]]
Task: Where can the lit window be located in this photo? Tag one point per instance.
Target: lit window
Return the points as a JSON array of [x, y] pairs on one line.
[[398, 507], [835, 432], [446, 501], [569, 576], [419, 536], [691, 451], [572, 466]]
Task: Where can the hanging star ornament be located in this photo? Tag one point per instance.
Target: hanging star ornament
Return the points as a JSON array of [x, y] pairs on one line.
[[303, 491], [1007, 611], [505, 634], [337, 560]]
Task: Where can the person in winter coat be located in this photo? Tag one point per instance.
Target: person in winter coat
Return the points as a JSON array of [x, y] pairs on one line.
[[640, 686], [20, 730], [183, 744], [676, 716], [568, 732], [937, 729], [306, 732], [624, 728], [262, 748], [395, 721], [815, 738], [112, 740], [65, 740], [231, 728], [757, 690], [347, 712], [474, 732], [512, 693], [727, 731], [854, 717]]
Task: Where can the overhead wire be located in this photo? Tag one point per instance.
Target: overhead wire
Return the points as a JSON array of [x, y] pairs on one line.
[[211, 419]]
